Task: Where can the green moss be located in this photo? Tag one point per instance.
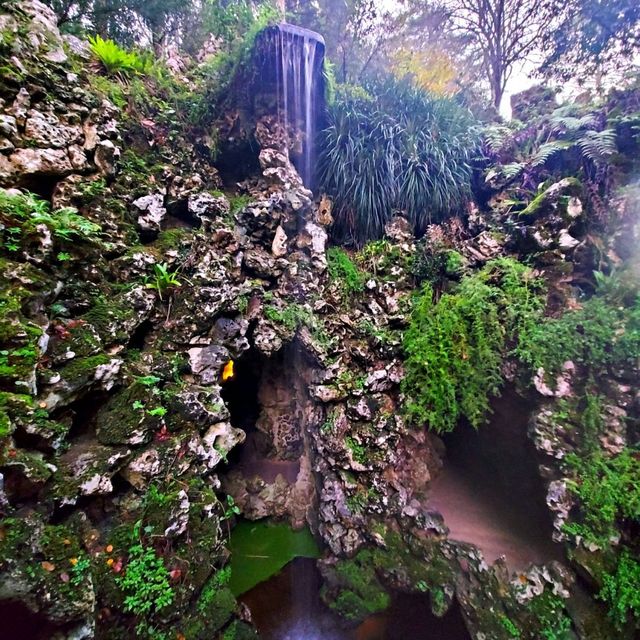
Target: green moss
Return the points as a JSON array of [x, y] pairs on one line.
[[82, 370], [545, 202], [344, 272], [361, 593], [621, 593]]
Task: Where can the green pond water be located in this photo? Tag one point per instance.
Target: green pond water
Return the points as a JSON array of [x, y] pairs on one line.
[[260, 549]]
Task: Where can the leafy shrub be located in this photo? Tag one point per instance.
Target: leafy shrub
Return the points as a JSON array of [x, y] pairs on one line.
[[115, 60], [145, 582], [609, 491], [344, 271], [454, 347], [620, 591], [20, 213], [402, 149], [595, 336]]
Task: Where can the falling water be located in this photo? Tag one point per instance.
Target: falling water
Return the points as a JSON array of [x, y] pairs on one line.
[[300, 91]]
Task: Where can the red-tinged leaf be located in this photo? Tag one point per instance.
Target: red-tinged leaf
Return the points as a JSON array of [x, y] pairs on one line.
[[175, 574]]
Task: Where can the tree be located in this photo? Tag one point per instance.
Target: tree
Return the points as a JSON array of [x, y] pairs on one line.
[[349, 28], [502, 33], [591, 36]]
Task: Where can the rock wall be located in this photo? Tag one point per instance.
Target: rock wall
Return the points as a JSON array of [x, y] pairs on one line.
[[133, 285]]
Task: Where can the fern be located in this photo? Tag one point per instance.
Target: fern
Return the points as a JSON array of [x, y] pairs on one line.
[[115, 60], [598, 146], [497, 137], [547, 150], [566, 124]]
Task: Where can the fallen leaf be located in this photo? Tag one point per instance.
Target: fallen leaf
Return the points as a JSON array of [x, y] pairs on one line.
[[47, 566]]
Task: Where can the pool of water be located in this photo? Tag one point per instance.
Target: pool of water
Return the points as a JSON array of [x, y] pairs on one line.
[[288, 607]]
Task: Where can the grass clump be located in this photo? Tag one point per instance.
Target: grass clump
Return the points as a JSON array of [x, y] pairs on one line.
[[455, 347], [403, 149]]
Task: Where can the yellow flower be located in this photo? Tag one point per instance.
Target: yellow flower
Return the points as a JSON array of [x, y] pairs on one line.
[[74, 561], [109, 562]]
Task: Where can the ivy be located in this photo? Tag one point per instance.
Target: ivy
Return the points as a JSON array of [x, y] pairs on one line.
[[455, 347]]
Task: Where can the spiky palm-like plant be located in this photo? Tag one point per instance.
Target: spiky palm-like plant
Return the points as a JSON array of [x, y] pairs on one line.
[[400, 150]]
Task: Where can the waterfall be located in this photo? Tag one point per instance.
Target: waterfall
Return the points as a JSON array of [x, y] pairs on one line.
[[300, 93]]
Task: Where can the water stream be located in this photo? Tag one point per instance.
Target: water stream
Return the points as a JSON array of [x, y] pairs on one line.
[[300, 89]]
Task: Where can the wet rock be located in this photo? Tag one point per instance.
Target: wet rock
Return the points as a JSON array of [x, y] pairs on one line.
[[87, 469], [150, 212], [279, 244], [207, 362], [33, 163], [79, 376], [206, 207], [106, 156], [562, 388], [46, 130]]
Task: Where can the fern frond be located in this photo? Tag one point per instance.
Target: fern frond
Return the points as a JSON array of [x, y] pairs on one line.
[[547, 150], [598, 146], [497, 137]]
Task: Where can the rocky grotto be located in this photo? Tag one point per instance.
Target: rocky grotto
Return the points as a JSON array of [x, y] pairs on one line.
[[425, 430]]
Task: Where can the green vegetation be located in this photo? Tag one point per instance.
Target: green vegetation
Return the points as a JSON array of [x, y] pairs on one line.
[[550, 615], [621, 593], [609, 492], [114, 60], [362, 594], [402, 149], [163, 280], [21, 213], [261, 549], [343, 271], [455, 346], [144, 583]]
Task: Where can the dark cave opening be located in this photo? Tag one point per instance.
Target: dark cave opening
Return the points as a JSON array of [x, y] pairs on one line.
[[139, 335], [241, 396], [240, 392], [490, 491], [18, 621]]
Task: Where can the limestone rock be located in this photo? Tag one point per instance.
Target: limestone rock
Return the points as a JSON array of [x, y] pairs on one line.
[[150, 211]]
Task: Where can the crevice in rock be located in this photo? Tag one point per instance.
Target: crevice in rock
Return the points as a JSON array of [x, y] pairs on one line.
[[42, 186], [83, 413], [140, 334]]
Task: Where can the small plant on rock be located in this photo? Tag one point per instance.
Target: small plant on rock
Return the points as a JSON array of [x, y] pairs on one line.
[[145, 583], [163, 280], [115, 60]]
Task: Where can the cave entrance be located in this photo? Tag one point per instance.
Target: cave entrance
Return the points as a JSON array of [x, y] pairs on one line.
[[240, 392], [490, 492], [241, 396], [263, 399]]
